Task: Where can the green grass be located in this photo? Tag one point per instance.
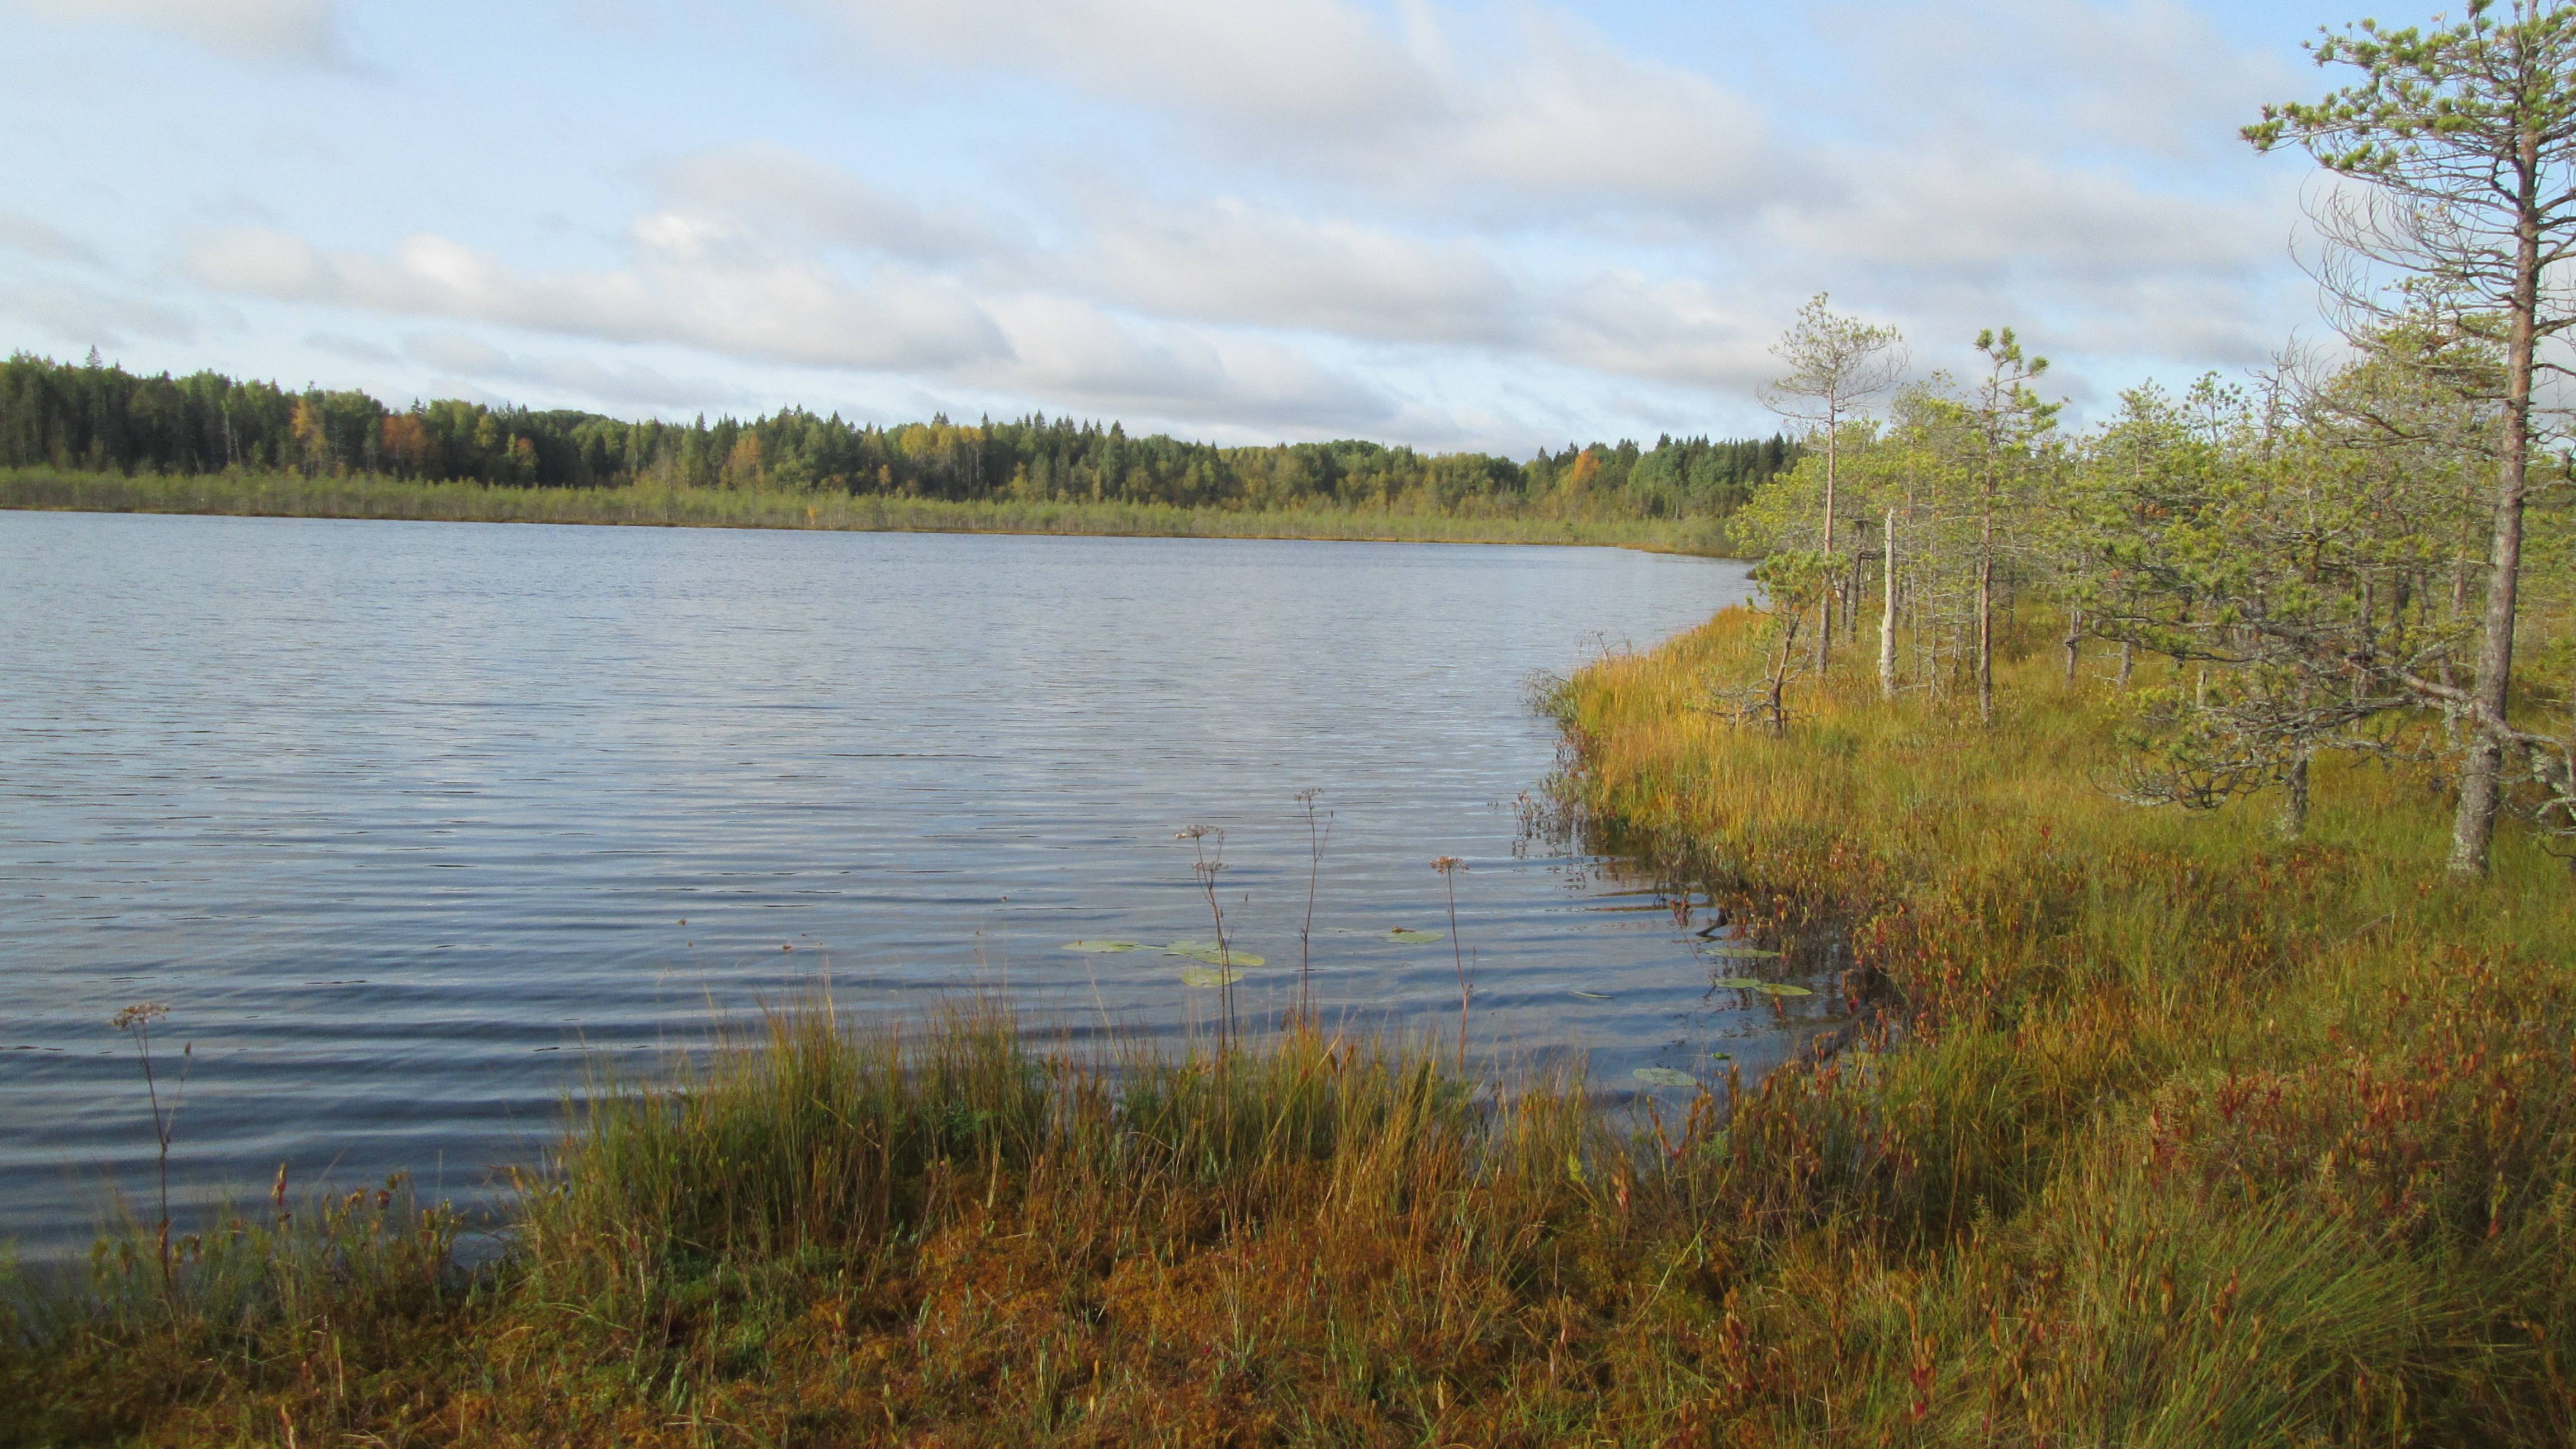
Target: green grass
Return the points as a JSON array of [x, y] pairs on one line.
[[647, 505], [2171, 1133]]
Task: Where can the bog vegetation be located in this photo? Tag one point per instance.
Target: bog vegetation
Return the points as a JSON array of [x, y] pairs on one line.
[[2180, 810], [297, 495]]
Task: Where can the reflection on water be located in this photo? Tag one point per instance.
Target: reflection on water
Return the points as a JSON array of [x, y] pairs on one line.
[[402, 819]]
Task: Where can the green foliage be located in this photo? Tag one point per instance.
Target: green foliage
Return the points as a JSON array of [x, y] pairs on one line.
[[98, 418], [2478, 87]]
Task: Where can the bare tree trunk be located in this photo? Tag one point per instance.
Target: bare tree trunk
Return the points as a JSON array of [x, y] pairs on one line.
[[2074, 640], [2460, 567], [2128, 661], [1887, 615], [1825, 635], [2294, 799], [1853, 580], [1986, 606], [2481, 773], [1778, 684]]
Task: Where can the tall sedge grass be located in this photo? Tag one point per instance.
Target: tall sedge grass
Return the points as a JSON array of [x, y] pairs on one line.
[[2149, 1130], [2185, 1135], [655, 505], [849, 1236]]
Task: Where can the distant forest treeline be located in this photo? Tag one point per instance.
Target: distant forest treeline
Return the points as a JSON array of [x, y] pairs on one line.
[[103, 418]]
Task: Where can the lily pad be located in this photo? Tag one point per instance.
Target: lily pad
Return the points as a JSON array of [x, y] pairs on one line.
[[1213, 957], [1741, 983], [1413, 938], [1594, 995], [1209, 976], [1093, 948], [1782, 988], [1721, 1056], [1740, 952], [1664, 1077]]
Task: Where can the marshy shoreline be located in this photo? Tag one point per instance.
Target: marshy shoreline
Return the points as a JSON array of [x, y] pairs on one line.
[[643, 505], [2164, 1131]]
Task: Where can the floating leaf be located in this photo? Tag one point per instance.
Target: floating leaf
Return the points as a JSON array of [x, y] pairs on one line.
[[1209, 976], [1593, 995], [1092, 948], [1782, 988], [1664, 1077], [1213, 957], [1413, 938], [1740, 952], [1721, 1056], [1742, 983], [1183, 948]]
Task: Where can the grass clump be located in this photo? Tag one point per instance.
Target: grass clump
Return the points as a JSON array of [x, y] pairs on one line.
[[942, 1235], [2147, 1129]]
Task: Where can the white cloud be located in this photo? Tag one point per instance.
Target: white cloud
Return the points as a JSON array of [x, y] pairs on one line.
[[1665, 330], [687, 284], [1315, 215], [86, 316], [1311, 64], [1548, 113], [473, 358], [1935, 210], [1076, 352], [1558, 114], [1233, 262], [1452, 169], [356, 349], [22, 233], [293, 31], [2148, 77], [1226, 262], [697, 283], [769, 185]]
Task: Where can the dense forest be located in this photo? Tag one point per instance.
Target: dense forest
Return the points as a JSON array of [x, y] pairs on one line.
[[98, 417]]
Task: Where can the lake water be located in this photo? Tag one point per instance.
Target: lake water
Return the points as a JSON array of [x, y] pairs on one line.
[[399, 820]]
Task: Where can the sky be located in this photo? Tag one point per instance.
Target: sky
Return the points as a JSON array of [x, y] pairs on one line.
[[1457, 226]]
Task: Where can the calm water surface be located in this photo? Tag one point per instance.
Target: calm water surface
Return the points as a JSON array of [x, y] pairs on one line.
[[401, 819]]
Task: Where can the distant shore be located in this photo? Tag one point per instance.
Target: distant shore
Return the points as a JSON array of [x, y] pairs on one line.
[[289, 495]]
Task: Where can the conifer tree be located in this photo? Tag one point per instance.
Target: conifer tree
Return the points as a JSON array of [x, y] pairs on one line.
[[2465, 137]]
